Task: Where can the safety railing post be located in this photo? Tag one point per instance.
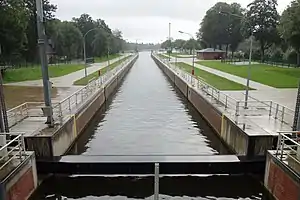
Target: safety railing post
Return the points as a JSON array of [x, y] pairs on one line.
[[60, 113], [276, 111], [156, 181], [270, 111], [283, 112], [226, 101], [69, 101], [237, 108]]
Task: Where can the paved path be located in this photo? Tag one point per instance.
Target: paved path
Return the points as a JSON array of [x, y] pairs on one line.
[[69, 79]]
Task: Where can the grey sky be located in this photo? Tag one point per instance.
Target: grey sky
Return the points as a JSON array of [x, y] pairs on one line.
[[146, 20]]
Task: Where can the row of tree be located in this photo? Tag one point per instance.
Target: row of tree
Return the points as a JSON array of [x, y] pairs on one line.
[[227, 25], [181, 45], [18, 33]]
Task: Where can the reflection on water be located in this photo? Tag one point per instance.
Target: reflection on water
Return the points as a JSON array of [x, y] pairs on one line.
[[148, 116], [17, 95], [180, 188]]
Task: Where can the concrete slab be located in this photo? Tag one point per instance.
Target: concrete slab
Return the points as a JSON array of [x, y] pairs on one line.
[[30, 126]]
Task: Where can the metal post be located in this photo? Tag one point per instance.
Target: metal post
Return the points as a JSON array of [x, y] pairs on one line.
[[271, 105], [44, 62], [226, 99], [193, 70], [170, 42], [276, 111], [156, 181], [3, 107], [249, 72], [283, 110], [84, 57], [296, 125], [237, 108]]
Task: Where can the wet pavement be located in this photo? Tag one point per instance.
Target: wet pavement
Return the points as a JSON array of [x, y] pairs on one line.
[[17, 95], [148, 116]]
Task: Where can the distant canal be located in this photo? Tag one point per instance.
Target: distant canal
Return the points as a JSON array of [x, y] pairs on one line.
[[148, 116]]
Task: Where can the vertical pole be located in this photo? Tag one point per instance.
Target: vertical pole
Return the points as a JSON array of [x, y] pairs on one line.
[[296, 125], [3, 106], [156, 181], [84, 56], [170, 42], [44, 62], [249, 71], [193, 71]]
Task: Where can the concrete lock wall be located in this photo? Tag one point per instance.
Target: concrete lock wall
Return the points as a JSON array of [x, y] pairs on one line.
[[280, 181], [60, 141], [21, 182], [232, 135]]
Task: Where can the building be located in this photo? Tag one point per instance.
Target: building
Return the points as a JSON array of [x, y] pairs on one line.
[[210, 54]]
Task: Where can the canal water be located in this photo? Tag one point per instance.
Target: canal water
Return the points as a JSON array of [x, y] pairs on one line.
[[148, 116]]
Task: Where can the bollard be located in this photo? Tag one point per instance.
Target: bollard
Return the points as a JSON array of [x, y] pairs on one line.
[[276, 112], [226, 99]]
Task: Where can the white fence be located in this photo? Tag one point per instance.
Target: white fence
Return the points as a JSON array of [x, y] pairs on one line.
[[12, 150], [288, 149]]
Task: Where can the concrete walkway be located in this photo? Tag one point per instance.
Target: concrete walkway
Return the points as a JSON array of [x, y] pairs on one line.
[[69, 79]]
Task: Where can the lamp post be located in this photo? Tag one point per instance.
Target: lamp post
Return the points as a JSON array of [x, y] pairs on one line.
[[84, 48], [192, 37], [250, 56]]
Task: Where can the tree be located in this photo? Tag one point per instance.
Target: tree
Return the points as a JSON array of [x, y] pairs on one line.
[[263, 19], [13, 23], [219, 27], [235, 36], [289, 27], [31, 32], [67, 39]]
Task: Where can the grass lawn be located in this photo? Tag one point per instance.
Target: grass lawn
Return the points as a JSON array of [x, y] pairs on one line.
[[180, 55], [212, 79], [277, 77], [35, 73], [163, 56], [104, 58], [85, 80]]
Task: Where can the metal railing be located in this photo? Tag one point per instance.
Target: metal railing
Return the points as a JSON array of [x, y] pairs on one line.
[[288, 149], [254, 107], [12, 150], [67, 106], [22, 111]]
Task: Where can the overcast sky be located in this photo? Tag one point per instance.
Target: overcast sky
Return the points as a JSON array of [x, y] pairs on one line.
[[146, 20]]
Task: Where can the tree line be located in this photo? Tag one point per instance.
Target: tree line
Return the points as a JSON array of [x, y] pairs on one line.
[[18, 34], [230, 27]]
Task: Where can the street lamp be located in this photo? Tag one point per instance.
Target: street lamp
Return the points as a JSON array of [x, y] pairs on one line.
[[192, 37], [84, 47], [250, 56]]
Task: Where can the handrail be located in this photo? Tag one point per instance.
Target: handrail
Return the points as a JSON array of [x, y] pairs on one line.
[[65, 106], [13, 150], [278, 111], [288, 149]]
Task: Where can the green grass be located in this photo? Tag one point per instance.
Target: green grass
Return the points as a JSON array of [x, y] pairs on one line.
[[85, 80], [104, 58], [277, 77], [163, 56], [181, 55], [212, 79], [34, 73]]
